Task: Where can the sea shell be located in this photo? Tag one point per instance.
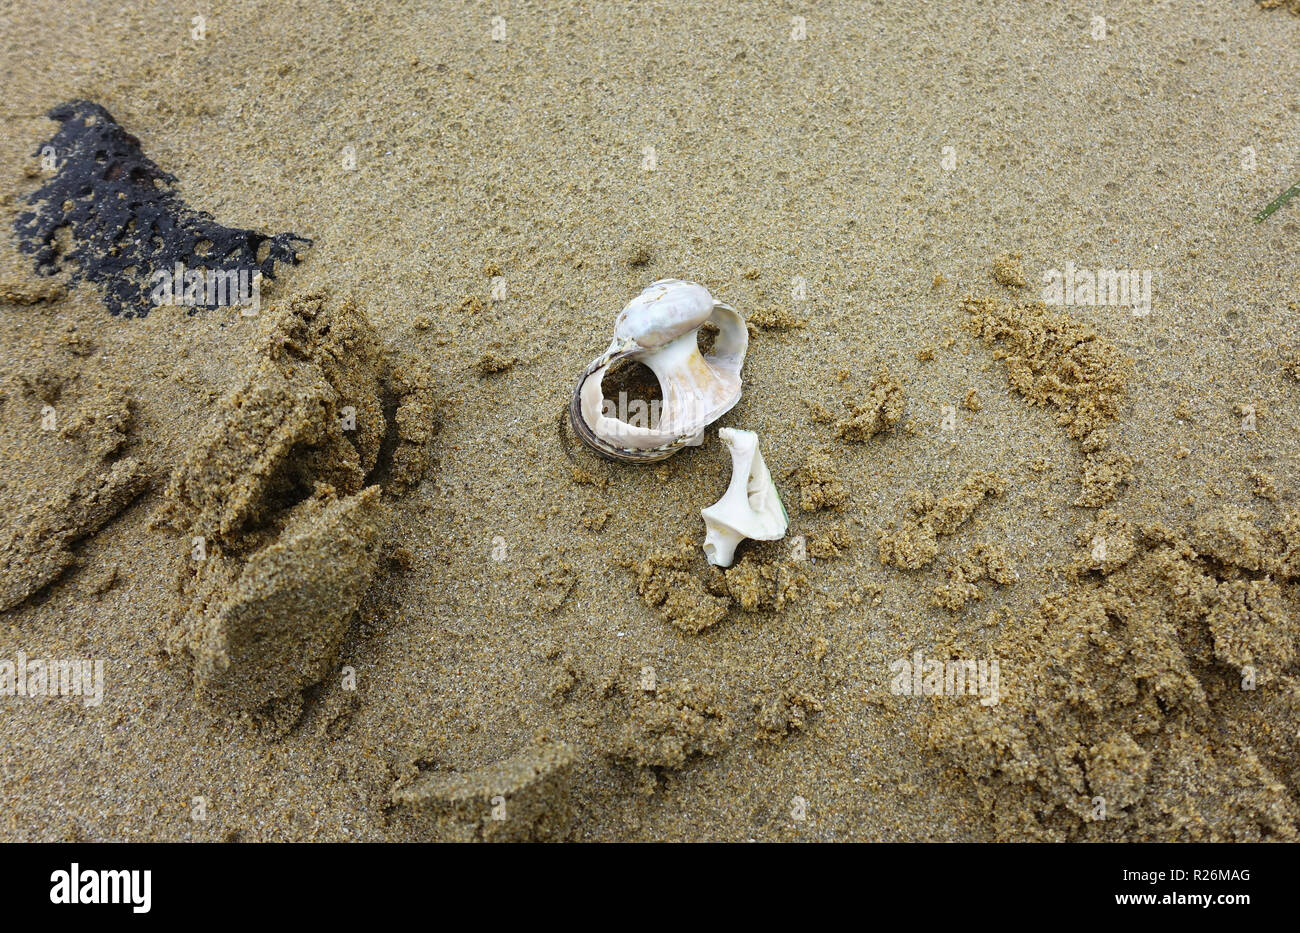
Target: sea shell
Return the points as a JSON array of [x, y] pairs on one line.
[[750, 508], [658, 328]]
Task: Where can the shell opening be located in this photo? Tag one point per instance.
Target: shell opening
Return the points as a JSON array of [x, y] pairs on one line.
[[631, 393]]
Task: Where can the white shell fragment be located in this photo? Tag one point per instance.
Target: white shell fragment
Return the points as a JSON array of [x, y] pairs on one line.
[[659, 329], [750, 508]]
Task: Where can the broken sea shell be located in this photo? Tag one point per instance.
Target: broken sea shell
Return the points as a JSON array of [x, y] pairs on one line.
[[659, 329], [750, 508]]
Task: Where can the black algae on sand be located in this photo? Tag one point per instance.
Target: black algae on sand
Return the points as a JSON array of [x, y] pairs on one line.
[[111, 216]]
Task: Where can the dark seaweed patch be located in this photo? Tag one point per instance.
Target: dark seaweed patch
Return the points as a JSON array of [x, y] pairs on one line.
[[111, 216]]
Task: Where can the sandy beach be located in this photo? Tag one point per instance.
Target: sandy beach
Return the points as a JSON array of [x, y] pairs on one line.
[[452, 620]]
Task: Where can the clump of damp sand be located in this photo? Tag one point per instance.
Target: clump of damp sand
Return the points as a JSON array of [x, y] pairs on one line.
[[277, 510], [1054, 360], [1146, 701]]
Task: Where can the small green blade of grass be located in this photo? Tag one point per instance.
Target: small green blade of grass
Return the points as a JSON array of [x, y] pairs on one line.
[[1278, 201]]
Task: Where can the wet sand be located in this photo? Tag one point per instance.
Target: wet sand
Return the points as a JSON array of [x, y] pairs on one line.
[[502, 646]]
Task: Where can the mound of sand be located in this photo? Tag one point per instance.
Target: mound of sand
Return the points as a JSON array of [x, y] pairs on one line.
[[1149, 701], [279, 532], [520, 799], [36, 547]]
